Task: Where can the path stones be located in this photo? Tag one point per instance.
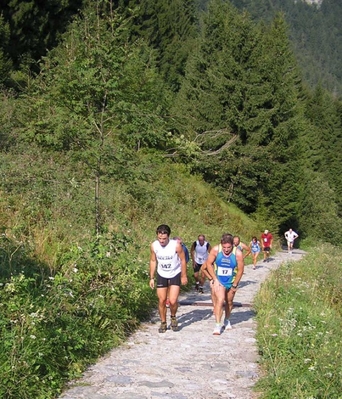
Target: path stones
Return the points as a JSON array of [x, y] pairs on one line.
[[190, 363]]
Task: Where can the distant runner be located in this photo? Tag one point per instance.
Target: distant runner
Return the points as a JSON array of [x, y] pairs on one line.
[[266, 243], [199, 254], [238, 244], [290, 236], [254, 249]]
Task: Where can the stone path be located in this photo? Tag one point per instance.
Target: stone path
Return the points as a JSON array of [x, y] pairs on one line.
[[191, 363]]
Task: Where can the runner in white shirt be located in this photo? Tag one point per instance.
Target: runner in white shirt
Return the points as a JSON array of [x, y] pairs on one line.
[[290, 236], [168, 259], [199, 254]]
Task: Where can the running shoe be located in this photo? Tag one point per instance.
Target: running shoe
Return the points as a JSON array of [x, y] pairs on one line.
[[174, 323], [196, 286], [217, 330], [167, 303], [163, 327], [200, 290], [227, 325]]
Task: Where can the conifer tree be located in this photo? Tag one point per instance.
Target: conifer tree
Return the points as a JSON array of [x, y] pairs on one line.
[[97, 97]]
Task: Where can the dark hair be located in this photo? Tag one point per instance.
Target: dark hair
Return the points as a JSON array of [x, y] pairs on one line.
[[254, 238], [163, 229], [227, 239]]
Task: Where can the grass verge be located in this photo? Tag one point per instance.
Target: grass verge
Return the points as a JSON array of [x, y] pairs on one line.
[[299, 319]]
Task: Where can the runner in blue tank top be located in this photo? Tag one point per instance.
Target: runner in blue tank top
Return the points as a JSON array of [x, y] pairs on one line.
[[254, 248], [225, 278]]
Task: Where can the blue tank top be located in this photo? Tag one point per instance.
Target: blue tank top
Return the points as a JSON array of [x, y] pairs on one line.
[[226, 267], [255, 247]]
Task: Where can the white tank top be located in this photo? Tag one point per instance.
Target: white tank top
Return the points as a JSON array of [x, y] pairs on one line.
[[201, 252], [168, 264]]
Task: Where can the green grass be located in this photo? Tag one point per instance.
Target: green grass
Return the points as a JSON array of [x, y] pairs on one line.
[[66, 295], [299, 316]]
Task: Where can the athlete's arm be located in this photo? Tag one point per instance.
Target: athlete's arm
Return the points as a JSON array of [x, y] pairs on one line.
[[153, 265], [207, 267], [249, 250], [204, 270], [244, 246], [192, 253], [240, 266], [181, 255]]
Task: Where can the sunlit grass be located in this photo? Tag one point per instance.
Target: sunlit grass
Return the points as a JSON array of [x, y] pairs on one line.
[[299, 329]]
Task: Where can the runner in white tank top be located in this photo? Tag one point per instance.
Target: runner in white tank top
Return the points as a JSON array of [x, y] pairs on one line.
[[168, 259], [199, 254]]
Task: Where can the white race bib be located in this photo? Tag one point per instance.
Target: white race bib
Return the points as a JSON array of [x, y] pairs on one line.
[[223, 271]]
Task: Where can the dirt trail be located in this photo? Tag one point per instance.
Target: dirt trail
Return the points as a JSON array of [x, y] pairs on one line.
[[190, 363]]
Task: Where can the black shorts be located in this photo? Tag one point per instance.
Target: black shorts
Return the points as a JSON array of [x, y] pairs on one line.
[[163, 282], [267, 249], [197, 267]]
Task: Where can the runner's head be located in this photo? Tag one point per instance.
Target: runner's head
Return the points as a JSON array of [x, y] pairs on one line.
[[254, 239], [236, 240], [266, 231], [163, 234], [201, 239], [227, 243], [178, 239]]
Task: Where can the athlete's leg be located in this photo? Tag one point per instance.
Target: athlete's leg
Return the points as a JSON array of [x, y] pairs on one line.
[[255, 255], [197, 268], [229, 296], [288, 246], [219, 297], [174, 293], [212, 294], [162, 294]]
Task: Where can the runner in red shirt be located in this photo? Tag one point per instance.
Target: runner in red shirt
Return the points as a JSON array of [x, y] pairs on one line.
[[266, 243]]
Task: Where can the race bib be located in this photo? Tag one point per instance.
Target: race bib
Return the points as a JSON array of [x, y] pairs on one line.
[[223, 271], [265, 239]]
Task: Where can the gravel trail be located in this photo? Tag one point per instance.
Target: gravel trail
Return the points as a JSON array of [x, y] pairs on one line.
[[191, 363]]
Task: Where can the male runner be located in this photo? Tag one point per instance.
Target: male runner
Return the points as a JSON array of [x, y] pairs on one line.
[[199, 254], [168, 259], [225, 278], [290, 236]]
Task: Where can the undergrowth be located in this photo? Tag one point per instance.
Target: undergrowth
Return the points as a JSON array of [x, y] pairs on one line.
[[299, 328], [67, 296]]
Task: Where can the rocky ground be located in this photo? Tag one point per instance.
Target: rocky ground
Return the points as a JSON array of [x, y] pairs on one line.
[[190, 363]]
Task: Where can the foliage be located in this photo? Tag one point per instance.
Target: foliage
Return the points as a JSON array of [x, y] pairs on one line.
[[35, 26], [299, 322], [240, 101], [5, 63], [52, 328], [315, 33]]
